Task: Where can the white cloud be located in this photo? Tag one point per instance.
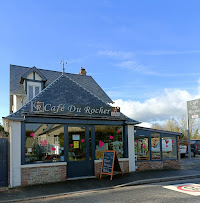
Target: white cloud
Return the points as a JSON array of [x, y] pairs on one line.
[[145, 124], [127, 60], [129, 55], [117, 54], [172, 103], [172, 52], [135, 66]]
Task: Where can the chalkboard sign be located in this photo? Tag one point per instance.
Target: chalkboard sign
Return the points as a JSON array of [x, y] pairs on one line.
[[110, 163]]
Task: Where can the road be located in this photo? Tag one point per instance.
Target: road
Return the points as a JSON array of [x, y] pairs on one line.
[[152, 193]]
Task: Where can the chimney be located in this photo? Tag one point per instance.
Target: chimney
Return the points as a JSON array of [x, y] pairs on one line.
[[82, 72]]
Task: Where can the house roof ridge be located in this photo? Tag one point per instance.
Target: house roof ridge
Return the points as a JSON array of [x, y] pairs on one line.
[[50, 70], [19, 66]]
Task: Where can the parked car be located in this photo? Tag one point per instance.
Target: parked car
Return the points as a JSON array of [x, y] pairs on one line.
[[183, 150], [195, 147]]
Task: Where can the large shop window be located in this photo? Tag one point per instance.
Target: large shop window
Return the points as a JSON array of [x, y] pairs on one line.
[[109, 138], [155, 146], [142, 151], [169, 148], [44, 143]]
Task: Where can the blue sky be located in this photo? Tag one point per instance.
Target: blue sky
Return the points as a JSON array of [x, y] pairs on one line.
[[144, 54]]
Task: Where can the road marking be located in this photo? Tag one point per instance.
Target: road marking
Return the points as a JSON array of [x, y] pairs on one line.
[[188, 188]]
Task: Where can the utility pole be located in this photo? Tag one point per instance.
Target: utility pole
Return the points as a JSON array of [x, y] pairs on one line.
[[188, 135]]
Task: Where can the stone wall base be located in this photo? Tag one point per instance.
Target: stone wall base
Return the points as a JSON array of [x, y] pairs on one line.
[[150, 165], [124, 164], [49, 173], [31, 175]]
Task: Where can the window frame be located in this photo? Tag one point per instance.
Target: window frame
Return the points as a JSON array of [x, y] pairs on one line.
[[143, 137], [160, 143], [123, 139], [24, 139], [34, 85], [148, 135], [176, 140]]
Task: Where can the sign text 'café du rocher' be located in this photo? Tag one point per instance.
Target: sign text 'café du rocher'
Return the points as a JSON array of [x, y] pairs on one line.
[[41, 107]]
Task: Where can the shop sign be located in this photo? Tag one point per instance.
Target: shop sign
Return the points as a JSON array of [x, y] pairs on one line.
[[193, 108], [76, 144], [115, 113], [75, 137], [110, 163], [48, 108]]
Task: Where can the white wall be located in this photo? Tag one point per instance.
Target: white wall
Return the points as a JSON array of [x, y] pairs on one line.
[[37, 77], [17, 102], [30, 76], [15, 153], [131, 148]]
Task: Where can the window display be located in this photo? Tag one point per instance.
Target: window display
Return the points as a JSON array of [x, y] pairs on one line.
[[142, 149], [155, 146], [44, 143], [169, 148], [109, 138]]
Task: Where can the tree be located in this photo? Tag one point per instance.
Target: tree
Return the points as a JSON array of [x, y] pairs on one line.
[[180, 126], [157, 126], [171, 125], [194, 128], [2, 132], [168, 125]]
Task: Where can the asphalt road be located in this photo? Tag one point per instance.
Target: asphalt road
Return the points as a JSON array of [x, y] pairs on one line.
[[152, 193]]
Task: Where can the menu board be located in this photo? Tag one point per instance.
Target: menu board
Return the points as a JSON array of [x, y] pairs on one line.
[[110, 163]]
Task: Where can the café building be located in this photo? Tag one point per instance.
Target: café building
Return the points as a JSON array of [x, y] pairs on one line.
[[60, 124]]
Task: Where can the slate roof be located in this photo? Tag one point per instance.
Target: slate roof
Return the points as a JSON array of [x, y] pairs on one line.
[[16, 88], [141, 130], [57, 93]]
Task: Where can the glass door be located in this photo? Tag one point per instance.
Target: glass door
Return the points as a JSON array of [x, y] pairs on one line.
[[80, 159], [77, 144]]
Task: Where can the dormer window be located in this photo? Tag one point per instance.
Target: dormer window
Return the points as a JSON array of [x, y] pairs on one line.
[[33, 88], [33, 81]]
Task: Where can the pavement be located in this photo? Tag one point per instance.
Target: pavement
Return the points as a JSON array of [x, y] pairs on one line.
[[189, 170]]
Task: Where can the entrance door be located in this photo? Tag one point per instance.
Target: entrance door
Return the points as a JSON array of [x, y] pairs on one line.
[[80, 160]]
